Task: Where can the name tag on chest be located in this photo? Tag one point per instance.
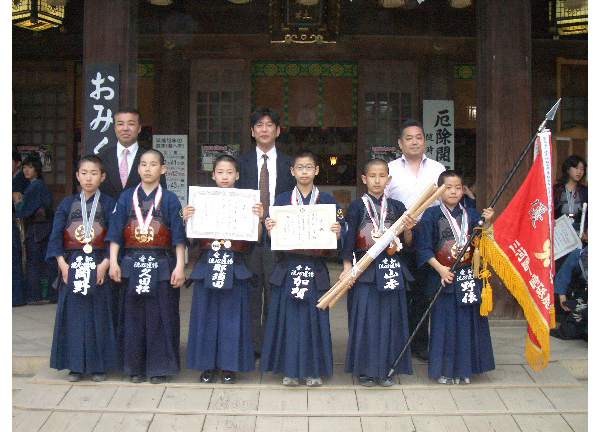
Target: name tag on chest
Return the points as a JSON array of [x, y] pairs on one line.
[[220, 270], [388, 274], [466, 287], [300, 280], [82, 275], [143, 279]]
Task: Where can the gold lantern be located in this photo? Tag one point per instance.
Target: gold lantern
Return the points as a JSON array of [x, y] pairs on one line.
[[38, 15]]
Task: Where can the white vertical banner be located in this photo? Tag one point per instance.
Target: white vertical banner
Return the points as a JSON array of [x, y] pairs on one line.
[[438, 122], [175, 150]]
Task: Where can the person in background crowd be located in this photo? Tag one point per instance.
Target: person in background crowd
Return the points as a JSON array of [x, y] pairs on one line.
[[571, 286], [569, 192], [34, 206], [411, 174]]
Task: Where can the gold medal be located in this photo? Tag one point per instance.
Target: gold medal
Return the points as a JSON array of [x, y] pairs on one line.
[[87, 248], [455, 251], [80, 234], [144, 237], [375, 235]]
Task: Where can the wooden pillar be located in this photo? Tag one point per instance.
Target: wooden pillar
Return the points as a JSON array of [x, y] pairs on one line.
[[504, 125], [110, 35], [171, 94]]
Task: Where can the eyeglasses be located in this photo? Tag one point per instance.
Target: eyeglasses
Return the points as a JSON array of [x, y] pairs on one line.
[[304, 167]]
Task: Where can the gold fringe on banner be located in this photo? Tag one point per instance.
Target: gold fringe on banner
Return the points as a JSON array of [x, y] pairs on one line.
[[552, 317], [490, 252]]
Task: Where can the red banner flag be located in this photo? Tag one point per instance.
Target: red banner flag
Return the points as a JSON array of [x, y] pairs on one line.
[[519, 248]]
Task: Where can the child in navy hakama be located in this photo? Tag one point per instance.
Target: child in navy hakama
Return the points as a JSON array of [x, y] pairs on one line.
[[84, 337], [377, 315], [460, 344], [220, 335], [297, 340], [148, 222]]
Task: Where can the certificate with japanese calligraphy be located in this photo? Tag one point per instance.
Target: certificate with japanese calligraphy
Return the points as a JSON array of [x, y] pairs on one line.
[[303, 227], [223, 213], [565, 237]]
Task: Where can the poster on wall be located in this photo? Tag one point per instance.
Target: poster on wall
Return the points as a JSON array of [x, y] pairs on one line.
[[43, 151], [438, 123], [174, 148], [100, 102], [211, 152]]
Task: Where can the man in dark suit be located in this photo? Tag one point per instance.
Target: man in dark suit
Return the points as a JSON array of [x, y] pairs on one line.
[[122, 159], [267, 170]]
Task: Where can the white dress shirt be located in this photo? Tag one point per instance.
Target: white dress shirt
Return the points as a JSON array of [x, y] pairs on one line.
[[405, 186], [133, 148], [271, 166]]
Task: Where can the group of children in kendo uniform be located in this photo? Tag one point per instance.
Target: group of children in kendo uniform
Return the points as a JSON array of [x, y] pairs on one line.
[[145, 230]]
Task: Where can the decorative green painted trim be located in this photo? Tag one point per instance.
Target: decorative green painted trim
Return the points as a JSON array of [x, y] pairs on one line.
[[303, 69], [286, 99], [145, 69], [320, 102], [465, 71]]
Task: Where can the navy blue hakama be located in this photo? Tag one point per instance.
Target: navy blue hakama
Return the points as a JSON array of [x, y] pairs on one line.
[[459, 343], [149, 326], [84, 338], [220, 334], [378, 330], [297, 341]]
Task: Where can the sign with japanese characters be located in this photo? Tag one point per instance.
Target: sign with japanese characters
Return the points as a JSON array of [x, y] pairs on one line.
[[100, 102], [174, 148], [303, 227], [438, 123], [223, 213], [389, 274]]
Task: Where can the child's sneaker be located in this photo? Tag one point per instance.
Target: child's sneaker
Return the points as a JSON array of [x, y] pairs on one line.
[[445, 380], [290, 382], [314, 382], [386, 382], [366, 381]]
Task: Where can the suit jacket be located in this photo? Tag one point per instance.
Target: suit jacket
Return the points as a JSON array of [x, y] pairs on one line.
[[248, 170], [112, 184]]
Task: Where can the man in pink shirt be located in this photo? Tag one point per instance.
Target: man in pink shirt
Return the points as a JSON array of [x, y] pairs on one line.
[[411, 174]]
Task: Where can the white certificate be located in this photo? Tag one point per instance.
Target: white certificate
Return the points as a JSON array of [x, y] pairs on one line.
[[223, 213], [565, 237], [303, 227]]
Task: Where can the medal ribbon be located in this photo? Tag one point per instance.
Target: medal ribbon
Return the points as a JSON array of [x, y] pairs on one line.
[[460, 233], [296, 198], [571, 200], [145, 223], [372, 210], [88, 222]]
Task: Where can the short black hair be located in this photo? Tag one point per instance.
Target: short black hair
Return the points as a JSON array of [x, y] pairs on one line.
[[410, 123], [128, 110], [572, 162], [375, 161], [305, 153], [448, 173], [93, 159], [34, 161], [16, 156], [160, 155], [225, 158], [261, 112]]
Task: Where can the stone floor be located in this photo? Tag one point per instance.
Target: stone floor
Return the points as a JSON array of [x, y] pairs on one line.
[[510, 398]]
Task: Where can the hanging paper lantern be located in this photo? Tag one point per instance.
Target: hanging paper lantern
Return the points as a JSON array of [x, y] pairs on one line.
[[460, 3], [392, 3]]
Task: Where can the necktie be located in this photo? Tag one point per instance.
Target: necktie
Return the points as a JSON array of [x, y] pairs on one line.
[[263, 185], [123, 168]]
